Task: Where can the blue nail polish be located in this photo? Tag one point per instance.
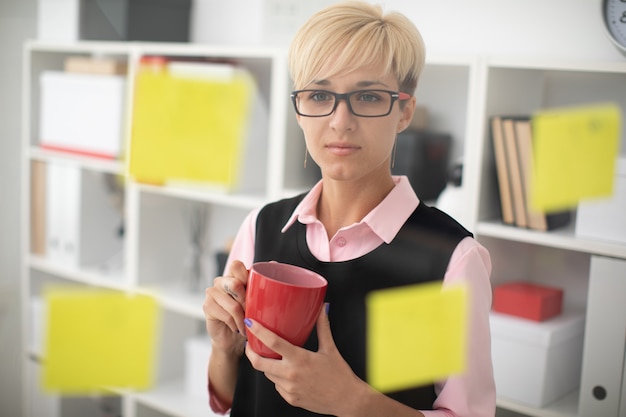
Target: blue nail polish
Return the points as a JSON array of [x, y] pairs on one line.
[[247, 322], [327, 307]]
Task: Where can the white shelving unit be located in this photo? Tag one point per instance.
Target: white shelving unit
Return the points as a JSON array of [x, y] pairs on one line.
[[461, 93], [155, 238], [558, 257]]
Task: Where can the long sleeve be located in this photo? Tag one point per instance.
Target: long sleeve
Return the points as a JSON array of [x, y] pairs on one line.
[[471, 394], [242, 249]]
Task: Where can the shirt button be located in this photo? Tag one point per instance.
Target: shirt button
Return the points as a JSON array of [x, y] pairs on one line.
[[341, 242]]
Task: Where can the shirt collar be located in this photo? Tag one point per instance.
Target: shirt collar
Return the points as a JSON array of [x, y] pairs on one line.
[[385, 219], [306, 211]]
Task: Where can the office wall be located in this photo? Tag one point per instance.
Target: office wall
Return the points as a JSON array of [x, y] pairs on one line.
[[17, 22], [569, 29], [561, 29]]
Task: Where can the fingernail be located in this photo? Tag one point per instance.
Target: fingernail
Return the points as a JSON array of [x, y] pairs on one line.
[[247, 322], [327, 307]]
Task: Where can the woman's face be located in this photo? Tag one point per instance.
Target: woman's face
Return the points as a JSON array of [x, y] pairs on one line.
[[349, 147]]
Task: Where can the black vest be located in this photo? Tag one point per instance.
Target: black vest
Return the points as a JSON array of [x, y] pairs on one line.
[[420, 252]]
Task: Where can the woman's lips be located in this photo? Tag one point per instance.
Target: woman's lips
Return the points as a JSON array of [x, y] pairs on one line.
[[342, 148]]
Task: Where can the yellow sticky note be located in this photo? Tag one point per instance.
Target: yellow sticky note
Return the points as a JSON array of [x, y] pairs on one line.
[[415, 335], [575, 151], [97, 339], [189, 129]]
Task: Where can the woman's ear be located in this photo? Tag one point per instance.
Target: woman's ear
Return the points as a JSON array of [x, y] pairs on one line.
[[408, 109]]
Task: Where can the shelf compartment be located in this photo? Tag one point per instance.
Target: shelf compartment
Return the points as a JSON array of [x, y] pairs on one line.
[[262, 149], [77, 216], [523, 88], [177, 234], [514, 260], [49, 57]]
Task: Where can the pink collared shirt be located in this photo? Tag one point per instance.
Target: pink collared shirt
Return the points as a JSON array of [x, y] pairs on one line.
[[471, 394]]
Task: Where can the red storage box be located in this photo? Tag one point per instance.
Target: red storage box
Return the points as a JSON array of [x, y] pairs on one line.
[[526, 300]]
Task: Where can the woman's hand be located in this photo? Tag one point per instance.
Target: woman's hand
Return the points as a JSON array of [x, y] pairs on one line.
[[320, 381], [224, 306]]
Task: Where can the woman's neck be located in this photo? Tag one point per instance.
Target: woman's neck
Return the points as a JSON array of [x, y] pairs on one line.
[[343, 203]]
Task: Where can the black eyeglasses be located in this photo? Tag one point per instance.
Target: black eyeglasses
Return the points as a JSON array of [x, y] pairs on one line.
[[362, 103]]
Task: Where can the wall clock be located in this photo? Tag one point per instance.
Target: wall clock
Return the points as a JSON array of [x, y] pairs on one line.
[[614, 16]]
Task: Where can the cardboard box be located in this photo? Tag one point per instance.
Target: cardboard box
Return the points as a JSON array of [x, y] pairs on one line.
[[197, 353], [82, 113], [605, 219], [537, 363], [528, 300]]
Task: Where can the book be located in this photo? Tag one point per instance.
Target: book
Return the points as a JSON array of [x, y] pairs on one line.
[[502, 173], [38, 208], [101, 66], [537, 220], [515, 172], [523, 136]]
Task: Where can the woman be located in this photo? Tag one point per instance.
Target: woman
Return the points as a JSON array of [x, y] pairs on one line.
[[355, 71]]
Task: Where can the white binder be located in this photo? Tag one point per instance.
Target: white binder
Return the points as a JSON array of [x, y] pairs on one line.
[[62, 205], [603, 370], [82, 224]]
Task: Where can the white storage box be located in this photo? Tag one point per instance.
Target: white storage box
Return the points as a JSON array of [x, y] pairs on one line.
[[536, 363], [606, 218], [58, 20], [197, 352], [82, 113]]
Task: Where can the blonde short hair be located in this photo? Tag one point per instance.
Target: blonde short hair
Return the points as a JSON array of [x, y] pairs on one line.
[[350, 35]]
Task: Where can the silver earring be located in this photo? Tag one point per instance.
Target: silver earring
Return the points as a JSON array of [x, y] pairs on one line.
[[393, 153], [306, 153]]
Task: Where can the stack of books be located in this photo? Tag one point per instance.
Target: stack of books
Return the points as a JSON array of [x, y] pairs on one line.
[[513, 150]]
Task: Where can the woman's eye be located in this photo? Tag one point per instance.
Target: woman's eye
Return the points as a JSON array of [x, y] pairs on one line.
[[319, 96], [369, 97]]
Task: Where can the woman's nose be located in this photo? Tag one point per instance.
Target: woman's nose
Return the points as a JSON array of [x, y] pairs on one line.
[[342, 117]]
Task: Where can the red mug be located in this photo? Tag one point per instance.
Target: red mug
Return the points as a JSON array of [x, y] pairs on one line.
[[285, 299]]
